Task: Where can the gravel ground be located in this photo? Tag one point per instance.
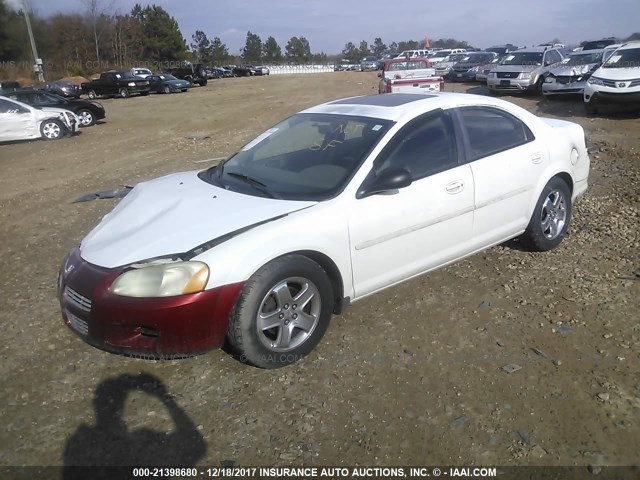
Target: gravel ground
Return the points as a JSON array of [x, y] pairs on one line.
[[506, 358]]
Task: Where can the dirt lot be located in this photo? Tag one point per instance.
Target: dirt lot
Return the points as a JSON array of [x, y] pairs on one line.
[[412, 375]]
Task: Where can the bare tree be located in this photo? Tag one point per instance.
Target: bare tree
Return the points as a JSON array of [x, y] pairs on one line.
[[96, 9]]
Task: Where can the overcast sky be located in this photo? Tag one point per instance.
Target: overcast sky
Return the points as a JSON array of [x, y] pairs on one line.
[[329, 24]]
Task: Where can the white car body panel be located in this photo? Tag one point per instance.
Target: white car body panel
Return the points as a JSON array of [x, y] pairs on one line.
[[26, 126], [374, 242]]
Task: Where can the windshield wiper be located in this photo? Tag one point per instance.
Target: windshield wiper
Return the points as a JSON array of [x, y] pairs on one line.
[[258, 185]]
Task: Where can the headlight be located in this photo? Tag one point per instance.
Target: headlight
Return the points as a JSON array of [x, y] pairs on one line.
[[549, 79], [164, 280], [475, 69], [132, 84], [595, 81], [492, 75]]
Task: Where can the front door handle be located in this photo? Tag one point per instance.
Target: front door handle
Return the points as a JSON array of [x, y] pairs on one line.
[[455, 187]]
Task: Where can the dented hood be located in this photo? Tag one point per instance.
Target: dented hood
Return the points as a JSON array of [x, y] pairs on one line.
[[172, 215], [571, 71]]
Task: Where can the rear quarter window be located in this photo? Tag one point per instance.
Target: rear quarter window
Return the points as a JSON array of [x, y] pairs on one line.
[[490, 131]]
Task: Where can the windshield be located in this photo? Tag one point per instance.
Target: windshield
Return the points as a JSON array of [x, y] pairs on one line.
[[628, 58], [582, 59], [522, 58], [455, 57], [409, 65], [309, 156], [126, 76], [167, 77], [478, 58], [442, 53]]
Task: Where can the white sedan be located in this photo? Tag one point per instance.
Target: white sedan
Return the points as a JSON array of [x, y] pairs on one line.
[[19, 121], [333, 204]]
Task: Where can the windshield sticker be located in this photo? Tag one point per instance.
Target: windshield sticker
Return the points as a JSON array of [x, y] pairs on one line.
[[118, 75], [259, 139], [509, 58], [614, 58], [376, 128]]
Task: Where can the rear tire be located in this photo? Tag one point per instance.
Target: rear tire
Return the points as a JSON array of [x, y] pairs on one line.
[[551, 217], [282, 312]]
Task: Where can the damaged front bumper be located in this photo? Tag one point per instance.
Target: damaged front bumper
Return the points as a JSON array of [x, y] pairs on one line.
[[161, 328]]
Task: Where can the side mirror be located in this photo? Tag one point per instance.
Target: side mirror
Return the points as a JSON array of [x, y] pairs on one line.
[[388, 182]]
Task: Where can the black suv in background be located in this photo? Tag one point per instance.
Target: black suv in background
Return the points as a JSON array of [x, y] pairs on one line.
[[87, 111], [195, 73]]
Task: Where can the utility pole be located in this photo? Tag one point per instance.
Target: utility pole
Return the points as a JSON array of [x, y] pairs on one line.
[[37, 66]]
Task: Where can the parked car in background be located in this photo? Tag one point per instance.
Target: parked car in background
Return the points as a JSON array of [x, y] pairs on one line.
[[523, 70], [122, 84], [617, 81], [165, 83], [222, 72], [501, 49], [440, 55], [64, 89], [411, 183], [241, 71], [369, 63], [406, 75], [262, 70], [446, 64], [87, 111], [141, 72], [598, 44], [419, 53], [484, 70], [570, 76], [19, 121], [466, 69], [8, 86], [195, 73]]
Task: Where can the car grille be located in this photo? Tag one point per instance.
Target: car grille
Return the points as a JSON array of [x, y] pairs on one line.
[[508, 74], [78, 324], [609, 83], [635, 83], [77, 300]]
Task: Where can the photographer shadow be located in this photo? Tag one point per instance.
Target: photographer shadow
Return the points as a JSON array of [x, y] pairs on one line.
[[110, 443]]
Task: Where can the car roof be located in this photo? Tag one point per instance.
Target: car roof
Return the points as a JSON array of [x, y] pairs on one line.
[[533, 49], [628, 45], [395, 106]]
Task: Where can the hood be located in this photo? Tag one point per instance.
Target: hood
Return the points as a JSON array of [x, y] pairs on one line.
[[172, 215], [571, 71], [469, 65], [632, 73]]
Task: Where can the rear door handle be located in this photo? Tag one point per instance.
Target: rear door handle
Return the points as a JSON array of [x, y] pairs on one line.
[[536, 158], [455, 187]]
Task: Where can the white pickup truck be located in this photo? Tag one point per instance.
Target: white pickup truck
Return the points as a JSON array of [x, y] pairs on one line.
[[409, 75]]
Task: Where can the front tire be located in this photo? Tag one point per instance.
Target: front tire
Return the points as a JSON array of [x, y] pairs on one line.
[[52, 129], [282, 312], [92, 95], [166, 89], [124, 93], [551, 217], [86, 118]]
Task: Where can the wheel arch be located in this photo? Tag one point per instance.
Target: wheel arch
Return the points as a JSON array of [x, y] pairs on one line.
[[329, 266]]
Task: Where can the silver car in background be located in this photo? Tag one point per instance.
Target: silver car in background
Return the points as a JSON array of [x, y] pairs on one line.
[[571, 75], [447, 63], [523, 70]]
